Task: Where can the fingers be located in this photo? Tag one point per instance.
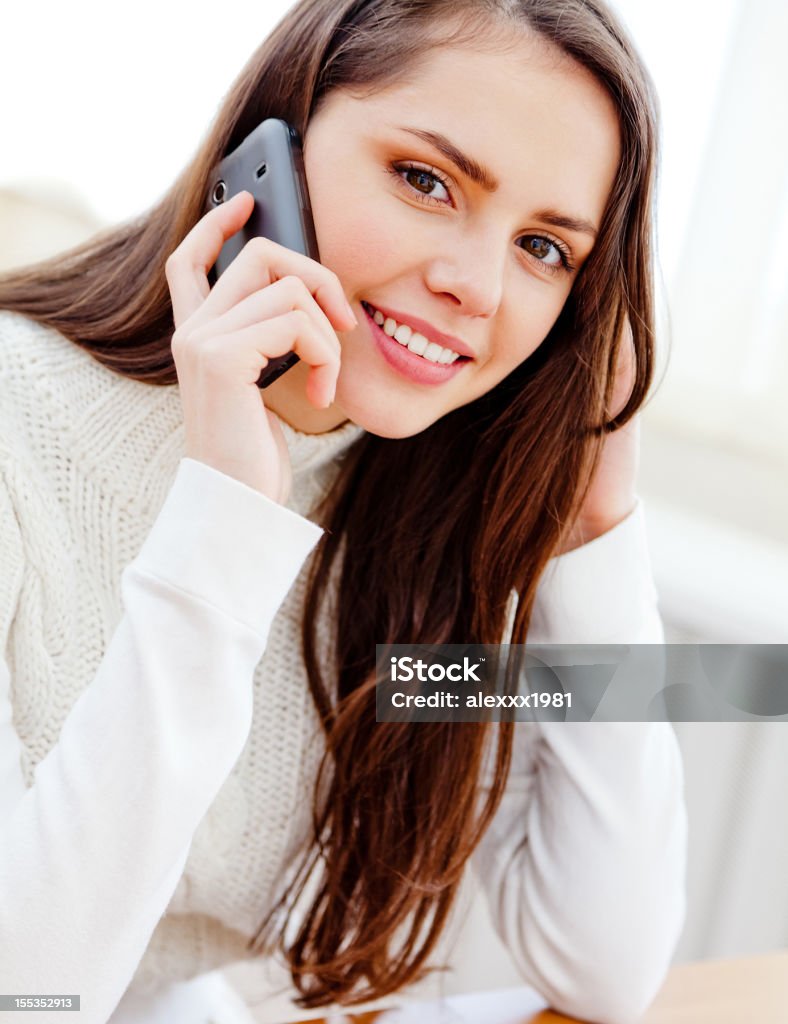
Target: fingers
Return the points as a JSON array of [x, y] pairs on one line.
[[269, 301], [262, 262], [187, 267], [249, 348], [290, 293]]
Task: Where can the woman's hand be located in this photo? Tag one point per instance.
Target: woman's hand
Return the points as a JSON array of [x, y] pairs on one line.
[[269, 301], [612, 495]]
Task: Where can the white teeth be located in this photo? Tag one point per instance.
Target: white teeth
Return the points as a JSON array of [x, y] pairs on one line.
[[414, 341]]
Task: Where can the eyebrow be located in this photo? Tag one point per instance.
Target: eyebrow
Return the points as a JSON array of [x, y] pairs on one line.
[[483, 177]]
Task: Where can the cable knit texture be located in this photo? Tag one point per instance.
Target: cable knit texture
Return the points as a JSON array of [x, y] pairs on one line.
[[592, 811], [94, 455]]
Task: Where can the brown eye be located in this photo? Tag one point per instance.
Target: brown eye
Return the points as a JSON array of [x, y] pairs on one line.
[[547, 254], [422, 181], [541, 248]]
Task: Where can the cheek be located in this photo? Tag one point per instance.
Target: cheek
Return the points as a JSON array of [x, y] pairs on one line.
[[522, 336], [357, 237]]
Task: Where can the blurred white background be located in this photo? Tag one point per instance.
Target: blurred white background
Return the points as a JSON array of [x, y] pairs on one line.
[[103, 106]]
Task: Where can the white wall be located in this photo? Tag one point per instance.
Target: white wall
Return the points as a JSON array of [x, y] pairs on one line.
[[113, 100]]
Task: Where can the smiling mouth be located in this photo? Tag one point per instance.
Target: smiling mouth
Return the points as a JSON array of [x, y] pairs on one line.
[[413, 341]]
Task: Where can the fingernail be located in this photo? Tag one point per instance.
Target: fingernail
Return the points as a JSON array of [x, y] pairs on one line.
[[351, 314]]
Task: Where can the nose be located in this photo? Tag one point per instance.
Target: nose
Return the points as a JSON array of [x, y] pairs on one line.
[[470, 270]]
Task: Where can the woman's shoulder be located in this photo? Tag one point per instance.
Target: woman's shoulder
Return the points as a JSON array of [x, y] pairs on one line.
[[25, 351], [20, 334], [31, 354], [77, 439], [54, 391]]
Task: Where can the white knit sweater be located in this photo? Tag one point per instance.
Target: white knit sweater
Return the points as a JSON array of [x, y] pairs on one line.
[[158, 742]]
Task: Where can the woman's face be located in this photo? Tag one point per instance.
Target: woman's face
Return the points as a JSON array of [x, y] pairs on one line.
[[460, 204]]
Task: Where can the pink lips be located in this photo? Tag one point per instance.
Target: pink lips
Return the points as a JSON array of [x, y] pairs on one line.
[[430, 333], [418, 369]]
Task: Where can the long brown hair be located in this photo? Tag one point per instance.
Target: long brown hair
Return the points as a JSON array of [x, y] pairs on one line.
[[482, 498]]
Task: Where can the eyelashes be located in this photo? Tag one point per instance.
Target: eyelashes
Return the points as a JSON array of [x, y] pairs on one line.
[[401, 170]]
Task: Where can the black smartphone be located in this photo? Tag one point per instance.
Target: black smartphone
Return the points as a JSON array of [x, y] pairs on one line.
[[269, 163]]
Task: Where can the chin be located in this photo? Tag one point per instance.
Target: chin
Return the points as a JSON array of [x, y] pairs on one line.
[[391, 426], [383, 415]]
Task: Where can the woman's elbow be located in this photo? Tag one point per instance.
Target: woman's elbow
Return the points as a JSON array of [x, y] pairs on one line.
[[618, 983]]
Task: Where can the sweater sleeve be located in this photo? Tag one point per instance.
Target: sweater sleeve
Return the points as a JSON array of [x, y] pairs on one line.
[[584, 863], [91, 853]]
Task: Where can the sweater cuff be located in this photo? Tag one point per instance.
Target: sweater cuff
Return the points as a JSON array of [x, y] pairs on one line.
[[223, 541], [601, 592]]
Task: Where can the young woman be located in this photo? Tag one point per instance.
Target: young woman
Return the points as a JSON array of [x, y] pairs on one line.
[[196, 572]]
